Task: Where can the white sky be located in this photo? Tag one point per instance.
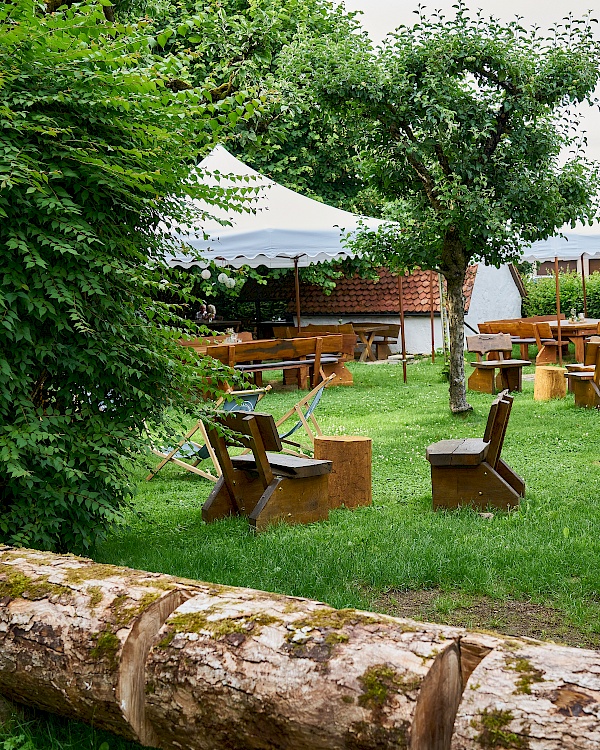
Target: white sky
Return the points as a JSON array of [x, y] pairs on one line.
[[382, 16]]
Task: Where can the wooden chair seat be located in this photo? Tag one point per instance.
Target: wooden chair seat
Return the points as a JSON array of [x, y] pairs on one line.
[[285, 465], [470, 471]]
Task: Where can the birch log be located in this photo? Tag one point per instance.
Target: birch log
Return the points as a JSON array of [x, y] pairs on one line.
[[529, 695], [74, 636]]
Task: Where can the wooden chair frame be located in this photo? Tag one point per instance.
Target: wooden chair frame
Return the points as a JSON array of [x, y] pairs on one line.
[[266, 487], [199, 452], [470, 471], [483, 377]]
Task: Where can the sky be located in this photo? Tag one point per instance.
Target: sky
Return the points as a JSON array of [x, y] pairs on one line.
[[382, 16]]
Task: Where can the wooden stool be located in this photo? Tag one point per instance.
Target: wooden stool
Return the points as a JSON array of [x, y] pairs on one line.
[[350, 478], [549, 383]]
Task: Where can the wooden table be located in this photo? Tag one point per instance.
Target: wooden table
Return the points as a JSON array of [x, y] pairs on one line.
[[366, 333], [576, 332]]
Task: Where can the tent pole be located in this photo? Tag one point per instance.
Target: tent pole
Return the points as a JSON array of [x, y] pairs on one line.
[[583, 285], [431, 318], [297, 282], [558, 310], [402, 336]]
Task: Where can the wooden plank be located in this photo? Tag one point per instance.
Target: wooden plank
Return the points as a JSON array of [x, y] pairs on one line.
[[284, 464]]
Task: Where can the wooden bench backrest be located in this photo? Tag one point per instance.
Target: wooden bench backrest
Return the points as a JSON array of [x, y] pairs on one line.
[[325, 328], [256, 431], [591, 349], [484, 328], [502, 326], [543, 318], [489, 342], [272, 350], [542, 331], [495, 429]]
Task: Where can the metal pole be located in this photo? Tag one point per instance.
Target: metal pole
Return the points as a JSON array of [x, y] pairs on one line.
[[431, 318], [402, 336], [558, 311], [297, 279], [583, 285]]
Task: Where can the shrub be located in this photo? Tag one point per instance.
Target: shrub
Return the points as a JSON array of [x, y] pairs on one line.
[[94, 153], [541, 294]]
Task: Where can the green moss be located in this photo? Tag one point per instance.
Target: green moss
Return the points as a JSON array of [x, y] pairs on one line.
[[332, 638], [493, 732], [93, 572], [95, 593], [528, 675], [123, 614], [107, 647], [339, 618], [17, 585], [347, 699], [199, 622], [379, 682]]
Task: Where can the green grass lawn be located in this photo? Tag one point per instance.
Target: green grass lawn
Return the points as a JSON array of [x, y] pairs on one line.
[[546, 553]]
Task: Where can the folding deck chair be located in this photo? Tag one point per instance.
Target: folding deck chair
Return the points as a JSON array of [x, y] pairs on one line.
[[188, 454], [304, 411]]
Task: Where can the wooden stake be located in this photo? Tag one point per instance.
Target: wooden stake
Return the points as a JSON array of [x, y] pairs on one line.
[[558, 310], [431, 318], [583, 285], [402, 335]]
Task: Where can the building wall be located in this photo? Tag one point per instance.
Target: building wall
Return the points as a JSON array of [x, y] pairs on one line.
[[495, 296]]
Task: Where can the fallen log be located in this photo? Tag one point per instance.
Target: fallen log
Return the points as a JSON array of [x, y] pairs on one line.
[[74, 636], [531, 695], [179, 664]]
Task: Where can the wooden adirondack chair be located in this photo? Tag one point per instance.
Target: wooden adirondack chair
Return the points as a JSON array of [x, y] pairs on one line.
[[470, 471]]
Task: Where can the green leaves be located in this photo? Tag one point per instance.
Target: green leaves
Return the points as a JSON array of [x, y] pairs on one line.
[[95, 151]]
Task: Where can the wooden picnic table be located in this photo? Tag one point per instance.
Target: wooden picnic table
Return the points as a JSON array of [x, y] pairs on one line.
[[366, 333], [576, 332]]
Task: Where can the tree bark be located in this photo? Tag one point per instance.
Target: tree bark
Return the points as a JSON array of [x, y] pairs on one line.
[[182, 665], [454, 268], [533, 696], [74, 636]]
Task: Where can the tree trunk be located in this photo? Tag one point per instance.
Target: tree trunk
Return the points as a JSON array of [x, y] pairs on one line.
[[454, 269]]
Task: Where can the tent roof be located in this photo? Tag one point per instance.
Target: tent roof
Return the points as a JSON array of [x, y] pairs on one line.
[[581, 239], [282, 225]]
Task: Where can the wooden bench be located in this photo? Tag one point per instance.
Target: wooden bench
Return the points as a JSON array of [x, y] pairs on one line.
[[518, 335], [306, 358], [470, 471], [484, 377], [266, 487], [383, 340], [585, 382]]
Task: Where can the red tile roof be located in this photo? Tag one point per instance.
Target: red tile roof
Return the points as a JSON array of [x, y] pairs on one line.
[[358, 296]]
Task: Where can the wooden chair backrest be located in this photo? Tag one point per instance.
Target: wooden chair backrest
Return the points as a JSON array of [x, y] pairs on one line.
[[253, 428], [489, 342], [526, 330], [542, 331], [495, 429], [591, 348]]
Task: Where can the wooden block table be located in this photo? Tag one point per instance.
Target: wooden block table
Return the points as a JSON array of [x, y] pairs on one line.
[[549, 383], [350, 478]]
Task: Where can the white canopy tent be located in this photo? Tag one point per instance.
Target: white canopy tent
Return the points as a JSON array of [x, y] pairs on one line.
[[576, 242], [283, 228]]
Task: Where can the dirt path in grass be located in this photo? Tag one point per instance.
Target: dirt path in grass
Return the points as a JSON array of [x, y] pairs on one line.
[[509, 617]]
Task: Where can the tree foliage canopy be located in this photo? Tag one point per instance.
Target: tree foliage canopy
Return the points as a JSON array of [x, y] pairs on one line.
[[95, 152], [462, 124]]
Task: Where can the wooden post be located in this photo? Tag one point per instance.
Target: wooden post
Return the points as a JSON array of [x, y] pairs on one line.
[[350, 478], [431, 316], [297, 286], [559, 337], [550, 382], [402, 333], [583, 287]]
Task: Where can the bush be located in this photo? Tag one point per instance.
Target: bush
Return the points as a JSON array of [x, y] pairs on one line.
[[94, 154], [541, 295]]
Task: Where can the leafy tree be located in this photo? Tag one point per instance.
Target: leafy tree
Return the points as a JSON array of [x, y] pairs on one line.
[[462, 123], [95, 150]]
